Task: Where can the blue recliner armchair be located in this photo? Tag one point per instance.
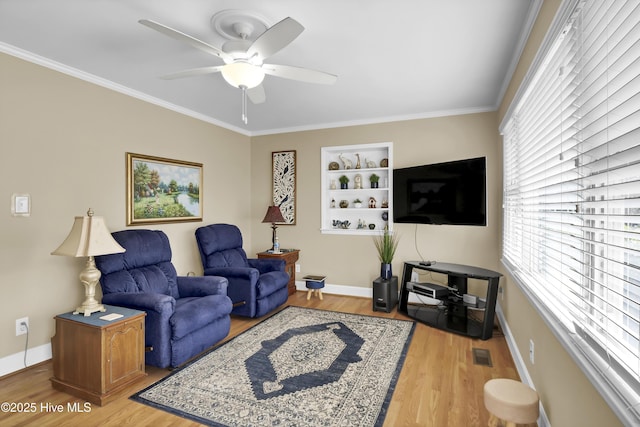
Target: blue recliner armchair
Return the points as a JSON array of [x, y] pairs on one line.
[[256, 285], [185, 315]]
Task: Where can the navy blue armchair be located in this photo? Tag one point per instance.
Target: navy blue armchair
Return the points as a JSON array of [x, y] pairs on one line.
[[185, 315], [256, 285]]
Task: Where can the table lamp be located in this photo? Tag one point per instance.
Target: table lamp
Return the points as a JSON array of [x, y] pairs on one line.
[[273, 216], [89, 237]]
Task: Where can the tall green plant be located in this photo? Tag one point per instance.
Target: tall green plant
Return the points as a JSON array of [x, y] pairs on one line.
[[386, 244]]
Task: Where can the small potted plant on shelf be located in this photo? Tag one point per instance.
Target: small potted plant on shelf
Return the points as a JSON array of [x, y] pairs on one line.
[[386, 245], [374, 180], [357, 203], [344, 182]]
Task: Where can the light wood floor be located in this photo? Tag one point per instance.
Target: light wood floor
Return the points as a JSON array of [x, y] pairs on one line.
[[439, 384]]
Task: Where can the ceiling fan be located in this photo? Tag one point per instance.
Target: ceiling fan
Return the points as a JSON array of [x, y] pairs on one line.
[[244, 65]]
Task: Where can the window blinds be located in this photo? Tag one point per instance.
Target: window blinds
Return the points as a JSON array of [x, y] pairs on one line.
[[571, 231]]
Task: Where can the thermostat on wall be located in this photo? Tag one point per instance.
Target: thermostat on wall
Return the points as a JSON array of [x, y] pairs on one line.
[[20, 205]]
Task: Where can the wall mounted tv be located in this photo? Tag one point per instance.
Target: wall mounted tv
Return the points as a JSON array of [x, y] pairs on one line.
[[441, 193]]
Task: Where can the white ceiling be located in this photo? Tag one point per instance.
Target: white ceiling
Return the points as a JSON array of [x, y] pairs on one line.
[[395, 60]]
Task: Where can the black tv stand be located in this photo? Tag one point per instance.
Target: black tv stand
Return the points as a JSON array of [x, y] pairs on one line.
[[452, 314]]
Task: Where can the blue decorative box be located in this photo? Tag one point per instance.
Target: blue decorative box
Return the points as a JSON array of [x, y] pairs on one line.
[[315, 282]]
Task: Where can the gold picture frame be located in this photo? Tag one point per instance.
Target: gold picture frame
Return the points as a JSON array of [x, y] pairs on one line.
[[161, 190], [283, 166]]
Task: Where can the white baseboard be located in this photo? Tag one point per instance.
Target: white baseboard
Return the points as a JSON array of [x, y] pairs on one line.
[[354, 291], [543, 420], [16, 362]]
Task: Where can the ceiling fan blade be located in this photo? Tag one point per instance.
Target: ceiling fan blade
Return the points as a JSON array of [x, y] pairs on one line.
[[257, 95], [275, 38], [300, 74], [192, 72], [178, 35]]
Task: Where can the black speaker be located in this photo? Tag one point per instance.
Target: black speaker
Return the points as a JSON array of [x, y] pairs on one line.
[[385, 294]]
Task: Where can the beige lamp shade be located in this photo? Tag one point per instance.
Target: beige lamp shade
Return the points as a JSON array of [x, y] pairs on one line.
[[89, 236]]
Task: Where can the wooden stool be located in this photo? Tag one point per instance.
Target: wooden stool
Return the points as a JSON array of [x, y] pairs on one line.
[[315, 285], [510, 401]]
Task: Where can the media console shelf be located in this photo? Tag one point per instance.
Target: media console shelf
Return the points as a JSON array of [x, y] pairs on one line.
[[453, 314]]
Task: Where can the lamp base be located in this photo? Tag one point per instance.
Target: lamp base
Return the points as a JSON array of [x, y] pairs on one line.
[[89, 278], [88, 308]]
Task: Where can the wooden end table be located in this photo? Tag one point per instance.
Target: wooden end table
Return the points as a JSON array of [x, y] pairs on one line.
[[96, 359], [290, 256]]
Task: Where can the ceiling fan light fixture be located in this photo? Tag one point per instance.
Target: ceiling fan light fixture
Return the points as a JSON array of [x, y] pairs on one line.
[[242, 74]]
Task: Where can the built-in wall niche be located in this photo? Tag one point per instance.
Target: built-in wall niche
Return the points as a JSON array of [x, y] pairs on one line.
[[356, 164]]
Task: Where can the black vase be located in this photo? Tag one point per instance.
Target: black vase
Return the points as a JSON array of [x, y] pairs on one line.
[[385, 271]]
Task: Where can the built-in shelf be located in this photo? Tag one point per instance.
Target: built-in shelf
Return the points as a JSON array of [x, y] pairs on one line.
[[365, 159]]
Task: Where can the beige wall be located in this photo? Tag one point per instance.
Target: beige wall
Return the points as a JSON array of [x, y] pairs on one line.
[[352, 260], [64, 142], [568, 397]]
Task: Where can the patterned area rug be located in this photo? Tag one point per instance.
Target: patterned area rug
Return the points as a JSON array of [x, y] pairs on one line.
[[300, 367]]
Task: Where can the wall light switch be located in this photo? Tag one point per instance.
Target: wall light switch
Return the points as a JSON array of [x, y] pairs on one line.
[[20, 205]]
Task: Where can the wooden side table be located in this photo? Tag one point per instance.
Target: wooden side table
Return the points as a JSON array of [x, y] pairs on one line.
[[290, 256], [95, 359]]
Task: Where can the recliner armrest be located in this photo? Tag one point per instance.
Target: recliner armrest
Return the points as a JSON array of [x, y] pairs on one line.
[[145, 301], [199, 286], [231, 273], [266, 265]]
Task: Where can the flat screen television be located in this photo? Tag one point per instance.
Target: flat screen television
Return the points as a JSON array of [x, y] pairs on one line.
[[441, 193]]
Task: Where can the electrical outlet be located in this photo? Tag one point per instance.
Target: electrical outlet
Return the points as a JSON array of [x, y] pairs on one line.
[[531, 352], [297, 268], [22, 326]]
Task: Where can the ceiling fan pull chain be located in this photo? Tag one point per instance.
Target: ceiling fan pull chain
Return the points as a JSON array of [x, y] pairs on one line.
[[244, 104]]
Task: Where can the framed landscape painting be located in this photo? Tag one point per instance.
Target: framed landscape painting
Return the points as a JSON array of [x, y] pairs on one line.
[[162, 190]]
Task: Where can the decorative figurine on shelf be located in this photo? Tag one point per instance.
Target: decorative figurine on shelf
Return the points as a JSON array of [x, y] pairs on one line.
[[384, 163], [372, 202], [358, 181], [372, 226], [346, 162], [370, 163], [334, 166], [344, 203], [361, 224], [333, 203], [384, 204], [341, 224], [333, 186], [358, 166]]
